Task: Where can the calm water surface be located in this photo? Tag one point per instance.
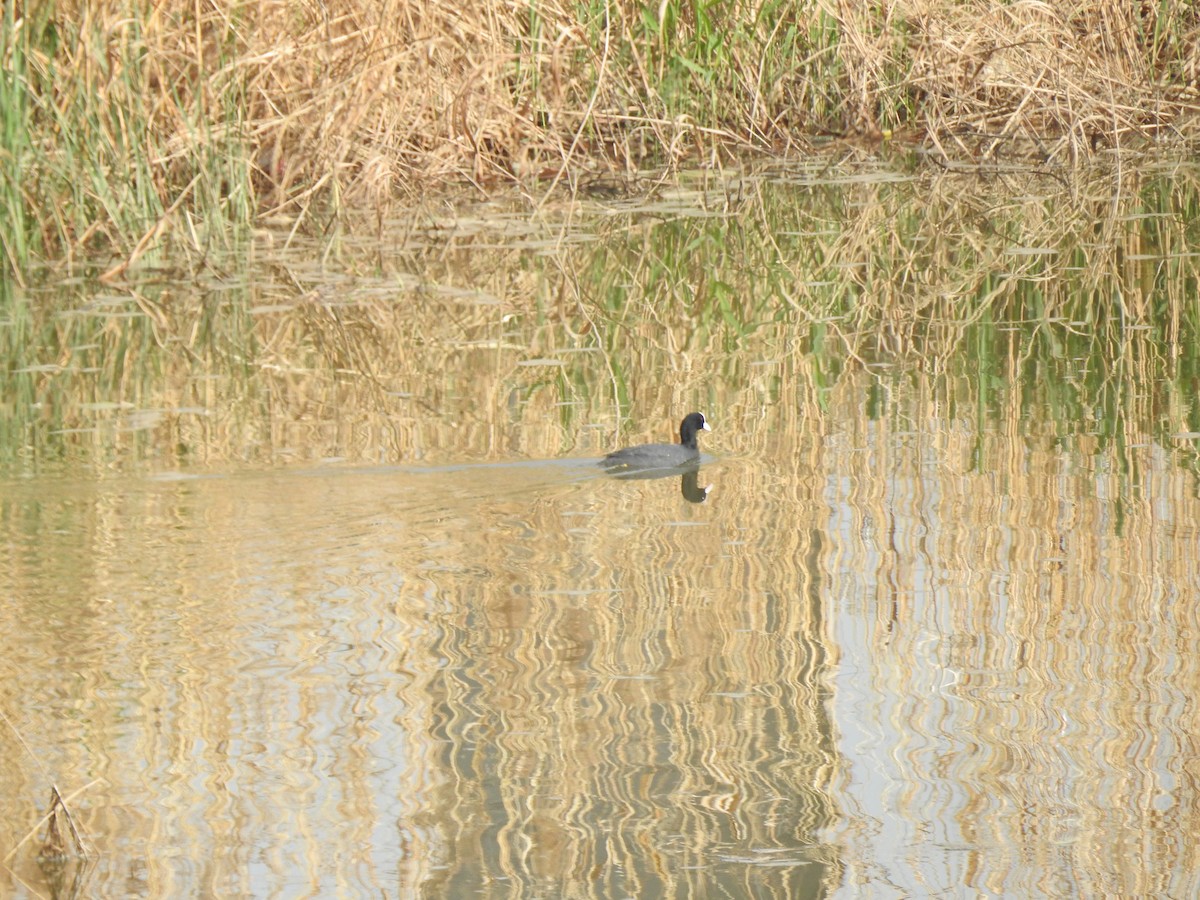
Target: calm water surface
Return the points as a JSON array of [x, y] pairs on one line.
[[321, 593]]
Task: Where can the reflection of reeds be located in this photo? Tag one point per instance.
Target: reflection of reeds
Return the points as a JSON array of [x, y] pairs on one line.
[[942, 398], [1018, 626], [732, 298], [123, 121], [642, 716]]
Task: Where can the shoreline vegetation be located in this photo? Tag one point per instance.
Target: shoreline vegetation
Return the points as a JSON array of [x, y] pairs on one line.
[[125, 122]]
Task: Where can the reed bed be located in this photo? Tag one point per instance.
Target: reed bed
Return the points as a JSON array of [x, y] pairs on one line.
[[123, 121]]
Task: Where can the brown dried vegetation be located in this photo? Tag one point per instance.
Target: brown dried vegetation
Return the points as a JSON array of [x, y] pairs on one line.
[[123, 119]]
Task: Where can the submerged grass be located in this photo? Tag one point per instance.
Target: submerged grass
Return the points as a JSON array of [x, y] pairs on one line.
[[123, 120]]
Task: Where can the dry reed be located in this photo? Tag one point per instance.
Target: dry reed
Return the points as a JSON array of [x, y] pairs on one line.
[[124, 120]]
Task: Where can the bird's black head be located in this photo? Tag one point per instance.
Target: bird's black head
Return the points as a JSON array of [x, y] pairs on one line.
[[688, 428]]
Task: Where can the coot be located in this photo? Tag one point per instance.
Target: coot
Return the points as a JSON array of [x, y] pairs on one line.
[[662, 456]]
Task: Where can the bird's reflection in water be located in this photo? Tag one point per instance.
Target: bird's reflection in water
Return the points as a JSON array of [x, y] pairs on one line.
[[689, 478]]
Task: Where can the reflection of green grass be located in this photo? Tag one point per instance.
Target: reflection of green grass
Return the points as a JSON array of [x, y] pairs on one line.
[[1088, 320], [954, 275]]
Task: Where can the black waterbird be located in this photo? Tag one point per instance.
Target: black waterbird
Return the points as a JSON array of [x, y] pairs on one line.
[[662, 456]]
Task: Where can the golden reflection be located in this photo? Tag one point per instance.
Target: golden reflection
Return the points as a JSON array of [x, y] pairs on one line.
[[1021, 655], [325, 590]]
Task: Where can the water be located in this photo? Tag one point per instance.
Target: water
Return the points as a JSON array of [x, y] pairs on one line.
[[323, 594]]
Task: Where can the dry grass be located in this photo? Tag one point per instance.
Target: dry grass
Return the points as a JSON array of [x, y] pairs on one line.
[[1054, 79], [124, 120]]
